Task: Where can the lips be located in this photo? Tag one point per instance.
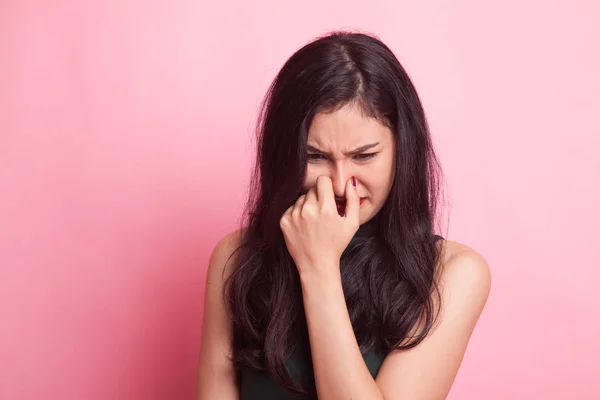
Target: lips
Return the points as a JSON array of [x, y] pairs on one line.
[[341, 205]]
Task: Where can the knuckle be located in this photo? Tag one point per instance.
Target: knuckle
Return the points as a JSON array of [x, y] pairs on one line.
[[327, 211], [308, 211]]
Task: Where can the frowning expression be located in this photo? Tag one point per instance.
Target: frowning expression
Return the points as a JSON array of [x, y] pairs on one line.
[[347, 143]]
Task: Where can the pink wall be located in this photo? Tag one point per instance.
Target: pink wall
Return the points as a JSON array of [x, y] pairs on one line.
[[124, 153]]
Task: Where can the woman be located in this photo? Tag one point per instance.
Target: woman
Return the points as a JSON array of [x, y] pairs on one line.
[[336, 287]]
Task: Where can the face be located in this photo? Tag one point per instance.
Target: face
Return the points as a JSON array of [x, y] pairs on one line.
[[344, 144]]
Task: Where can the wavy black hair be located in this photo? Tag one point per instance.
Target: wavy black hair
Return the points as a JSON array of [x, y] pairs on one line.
[[389, 278]]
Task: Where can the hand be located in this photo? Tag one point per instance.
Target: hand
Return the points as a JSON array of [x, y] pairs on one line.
[[315, 234]]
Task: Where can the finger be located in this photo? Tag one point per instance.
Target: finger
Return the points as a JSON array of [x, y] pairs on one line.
[[286, 218], [297, 207], [301, 200], [287, 212], [352, 202], [325, 193], [291, 208], [311, 195]]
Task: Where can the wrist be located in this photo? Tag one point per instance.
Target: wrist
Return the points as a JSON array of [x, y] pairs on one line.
[[326, 276], [322, 292]]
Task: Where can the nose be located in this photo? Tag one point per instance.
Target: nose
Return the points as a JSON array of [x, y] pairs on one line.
[[339, 175]]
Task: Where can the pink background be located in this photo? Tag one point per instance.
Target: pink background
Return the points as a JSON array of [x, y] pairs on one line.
[[125, 146]]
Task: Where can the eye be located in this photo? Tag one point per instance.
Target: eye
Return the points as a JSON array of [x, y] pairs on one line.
[[315, 157], [365, 156]]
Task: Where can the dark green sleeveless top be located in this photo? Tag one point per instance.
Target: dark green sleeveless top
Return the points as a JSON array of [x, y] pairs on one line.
[[261, 386]]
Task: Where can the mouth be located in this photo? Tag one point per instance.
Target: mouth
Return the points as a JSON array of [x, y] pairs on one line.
[[341, 204]]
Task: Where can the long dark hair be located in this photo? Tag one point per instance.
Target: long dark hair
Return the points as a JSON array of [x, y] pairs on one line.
[[389, 278]]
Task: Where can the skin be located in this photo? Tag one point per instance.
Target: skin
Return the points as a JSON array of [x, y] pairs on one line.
[[335, 136], [316, 233]]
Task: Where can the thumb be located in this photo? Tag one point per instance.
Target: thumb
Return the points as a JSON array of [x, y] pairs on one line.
[[352, 201]]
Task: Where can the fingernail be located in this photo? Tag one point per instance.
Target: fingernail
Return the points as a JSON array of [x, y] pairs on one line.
[[354, 181]]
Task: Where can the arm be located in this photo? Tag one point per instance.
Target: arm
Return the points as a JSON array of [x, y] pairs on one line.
[[216, 375], [316, 236], [340, 370], [423, 372], [427, 371]]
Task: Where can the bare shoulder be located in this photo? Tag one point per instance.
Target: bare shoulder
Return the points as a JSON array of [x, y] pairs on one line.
[[463, 269], [463, 279], [221, 257], [216, 372]]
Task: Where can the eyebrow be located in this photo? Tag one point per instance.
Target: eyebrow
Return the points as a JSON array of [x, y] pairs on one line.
[[358, 150]]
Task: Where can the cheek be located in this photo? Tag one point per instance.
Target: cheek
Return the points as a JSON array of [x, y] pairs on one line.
[[377, 190], [311, 178], [378, 180]]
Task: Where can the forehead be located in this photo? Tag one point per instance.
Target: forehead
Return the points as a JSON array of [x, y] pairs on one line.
[[346, 128]]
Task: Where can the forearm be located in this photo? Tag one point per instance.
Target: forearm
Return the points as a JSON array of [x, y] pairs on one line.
[[340, 370]]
